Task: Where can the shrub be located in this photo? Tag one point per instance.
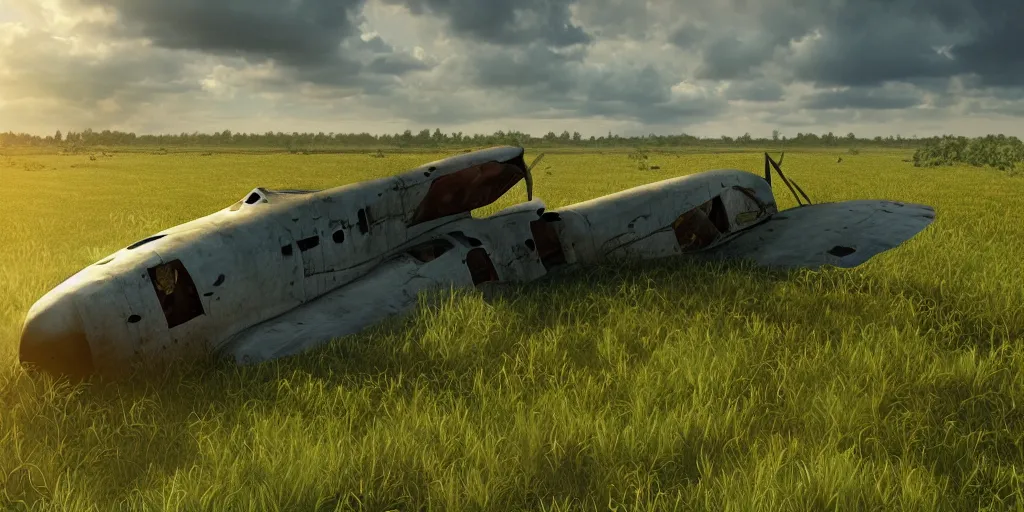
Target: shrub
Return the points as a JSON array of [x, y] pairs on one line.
[[640, 156], [998, 151]]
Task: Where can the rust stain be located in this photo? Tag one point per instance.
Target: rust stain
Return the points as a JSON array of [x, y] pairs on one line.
[[548, 245], [480, 266], [466, 190], [701, 226]]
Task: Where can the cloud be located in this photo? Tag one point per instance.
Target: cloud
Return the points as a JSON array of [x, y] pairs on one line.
[[532, 67], [634, 66], [35, 65], [294, 32], [318, 41], [728, 57], [886, 98], [762, 90], [505, 22], [62, 79], [612, 19]]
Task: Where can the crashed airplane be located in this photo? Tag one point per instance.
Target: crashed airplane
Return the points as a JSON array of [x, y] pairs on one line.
[[280, 272]]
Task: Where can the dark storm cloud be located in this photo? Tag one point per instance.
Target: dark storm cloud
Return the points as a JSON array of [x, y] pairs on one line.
[[608, 19], [396, 65], [995, 53], [763, 90], [873, 47], [369, 64], [293, 32], [532, 67], [729, 57], [318, 40], [652, 113], [735, 37], [644, 86], [863, 98], [870, 42], [641, 94], [505, 22], [537, 82], [688, 36], [858, 42]]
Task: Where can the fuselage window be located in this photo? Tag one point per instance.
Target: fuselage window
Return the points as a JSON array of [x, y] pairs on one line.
[[145, 241], [364, 224], [308, 243], [177, 293]]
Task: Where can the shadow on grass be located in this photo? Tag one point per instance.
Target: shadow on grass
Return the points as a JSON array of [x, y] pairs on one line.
[[527, 341], [159, 416]]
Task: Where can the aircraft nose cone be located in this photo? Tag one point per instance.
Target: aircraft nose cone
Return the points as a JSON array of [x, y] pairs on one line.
[[53, 339]]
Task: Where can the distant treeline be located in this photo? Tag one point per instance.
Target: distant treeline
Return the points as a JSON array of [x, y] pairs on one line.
[[999, 151], [426, 139]]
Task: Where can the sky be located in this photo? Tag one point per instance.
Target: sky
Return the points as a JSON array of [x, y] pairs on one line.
[[703, 67]]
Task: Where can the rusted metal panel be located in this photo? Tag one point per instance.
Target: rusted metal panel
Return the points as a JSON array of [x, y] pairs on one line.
[[547, 244], [700, 227], [467, 190], [480, 266]]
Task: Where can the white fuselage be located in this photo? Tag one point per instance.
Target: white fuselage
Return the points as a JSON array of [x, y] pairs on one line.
[[239, 278]]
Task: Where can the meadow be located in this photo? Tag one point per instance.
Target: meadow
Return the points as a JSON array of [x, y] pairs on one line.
[[671, 385]]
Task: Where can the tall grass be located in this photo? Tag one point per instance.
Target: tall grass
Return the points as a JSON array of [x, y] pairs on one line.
[[671, 385]]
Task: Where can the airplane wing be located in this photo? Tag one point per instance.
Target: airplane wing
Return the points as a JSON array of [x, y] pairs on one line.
[[843, 234], [389, 289]]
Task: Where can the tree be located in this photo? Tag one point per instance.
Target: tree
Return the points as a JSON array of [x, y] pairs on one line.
[[423, 136], [57, 136], [576, 137], [775, 135]]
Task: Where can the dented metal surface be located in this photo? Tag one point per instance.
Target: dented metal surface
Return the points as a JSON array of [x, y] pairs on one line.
[[279, 272]]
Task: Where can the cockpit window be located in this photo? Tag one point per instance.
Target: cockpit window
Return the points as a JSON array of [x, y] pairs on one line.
[[262, 195], [256, 196], [176, 292]]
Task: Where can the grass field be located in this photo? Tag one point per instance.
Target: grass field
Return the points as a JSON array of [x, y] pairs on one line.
[[896, 385]]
